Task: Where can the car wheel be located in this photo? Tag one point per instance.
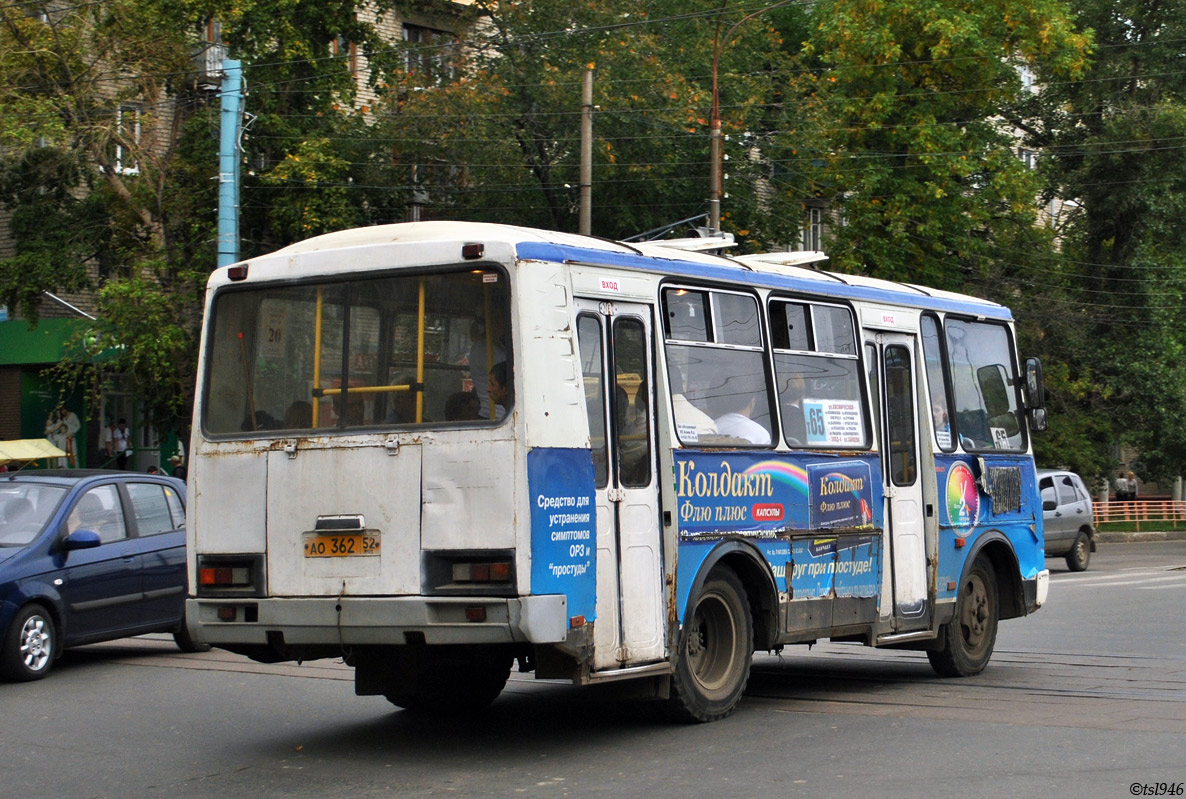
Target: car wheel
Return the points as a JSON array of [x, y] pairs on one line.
[[1080, 553], [715, 650], [28, 648], [186, 643], [968, 639]]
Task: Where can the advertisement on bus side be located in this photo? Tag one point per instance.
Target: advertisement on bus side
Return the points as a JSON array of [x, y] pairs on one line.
[[757, 496]]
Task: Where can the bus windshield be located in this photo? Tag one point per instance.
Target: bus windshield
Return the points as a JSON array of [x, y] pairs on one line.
[[427, 349]]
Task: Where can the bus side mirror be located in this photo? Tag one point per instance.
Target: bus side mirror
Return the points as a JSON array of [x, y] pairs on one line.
[[1035, 389]]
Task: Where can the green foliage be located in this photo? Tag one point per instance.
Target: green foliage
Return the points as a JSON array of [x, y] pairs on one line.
[[1108, 307], [902, 117], [499, 139], [308, 208]]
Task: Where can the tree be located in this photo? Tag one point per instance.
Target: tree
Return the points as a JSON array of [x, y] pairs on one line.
[[495, 135], [1111, 300], [109, 166], [901, 130]]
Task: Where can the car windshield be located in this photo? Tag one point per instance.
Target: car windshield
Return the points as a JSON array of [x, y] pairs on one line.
[[24, 510]]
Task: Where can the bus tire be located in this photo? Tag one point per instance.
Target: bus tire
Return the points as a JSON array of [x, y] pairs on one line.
[[715, 649], [448, 685], [968, 639], [1079, 555]]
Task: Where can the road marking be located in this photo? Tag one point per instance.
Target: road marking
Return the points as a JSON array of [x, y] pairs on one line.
[[1176, 578], [1097, 576]]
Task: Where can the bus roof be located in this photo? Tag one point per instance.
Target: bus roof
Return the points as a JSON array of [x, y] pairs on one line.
[[794, 272]]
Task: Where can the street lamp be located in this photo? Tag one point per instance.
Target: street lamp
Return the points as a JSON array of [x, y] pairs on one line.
[[714, 128]]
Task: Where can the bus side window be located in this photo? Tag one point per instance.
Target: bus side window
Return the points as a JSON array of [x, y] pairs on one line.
[[714, 343], [817, 369], [938, 390], [593, 372]]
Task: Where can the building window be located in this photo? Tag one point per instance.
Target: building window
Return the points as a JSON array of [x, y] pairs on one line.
[[127, 138], [339, 47], [1027, 78], [812, 231], [429, 54], [1028, 157]]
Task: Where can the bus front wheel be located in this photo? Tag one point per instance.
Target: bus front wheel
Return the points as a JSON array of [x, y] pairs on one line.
[[716, 647], [968, 639]]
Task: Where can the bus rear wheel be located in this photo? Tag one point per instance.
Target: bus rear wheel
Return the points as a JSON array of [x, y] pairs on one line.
[[450, 684], [716, 647], [968, 639]]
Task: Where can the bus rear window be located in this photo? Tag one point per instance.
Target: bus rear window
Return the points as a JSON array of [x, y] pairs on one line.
[[391, 351]]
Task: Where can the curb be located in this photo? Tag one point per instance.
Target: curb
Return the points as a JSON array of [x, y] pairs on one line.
[[1140, 537]]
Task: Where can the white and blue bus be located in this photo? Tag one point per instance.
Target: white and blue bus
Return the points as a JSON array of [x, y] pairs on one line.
[[437, 449]]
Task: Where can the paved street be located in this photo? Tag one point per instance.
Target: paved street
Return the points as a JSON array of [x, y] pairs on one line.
[[1083, 699]]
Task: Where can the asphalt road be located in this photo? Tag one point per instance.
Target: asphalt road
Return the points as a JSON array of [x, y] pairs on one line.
[[1083, 699]]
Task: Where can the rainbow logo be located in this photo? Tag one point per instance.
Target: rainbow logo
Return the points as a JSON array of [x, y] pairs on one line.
[[788, 474], [963, 498]]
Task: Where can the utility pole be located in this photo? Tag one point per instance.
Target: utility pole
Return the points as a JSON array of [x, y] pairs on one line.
[[228, 162], [586, 205], [715, 188]]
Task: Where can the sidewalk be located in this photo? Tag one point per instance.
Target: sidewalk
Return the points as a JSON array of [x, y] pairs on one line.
[[1131, 536]]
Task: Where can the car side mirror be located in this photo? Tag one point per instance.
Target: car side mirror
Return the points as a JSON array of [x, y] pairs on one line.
[[1049, 504], [81, 539]]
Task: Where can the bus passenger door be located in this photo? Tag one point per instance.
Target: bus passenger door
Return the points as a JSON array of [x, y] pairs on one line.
[[903, 483], [616, 357]]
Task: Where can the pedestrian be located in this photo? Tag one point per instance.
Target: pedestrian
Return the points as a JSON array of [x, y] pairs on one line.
[[154, 469], [121, 439], [179, 470], [107, 444], [1121, 487], [61, 429], [1132, 486]]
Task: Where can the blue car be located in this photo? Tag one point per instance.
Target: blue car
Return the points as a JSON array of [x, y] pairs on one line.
[[88, 556]]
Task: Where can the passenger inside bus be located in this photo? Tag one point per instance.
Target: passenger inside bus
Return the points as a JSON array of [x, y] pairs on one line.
[[476, 358], [691, 422], [403, 403], [500, 389], [737, 422], [794, 423], [462, 406]]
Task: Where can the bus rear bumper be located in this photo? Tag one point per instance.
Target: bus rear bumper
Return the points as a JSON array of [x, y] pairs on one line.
[[362, 621]]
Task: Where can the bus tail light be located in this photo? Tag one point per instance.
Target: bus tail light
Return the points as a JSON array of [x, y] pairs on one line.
[[230, 576], [497, 572], [469, 572], [225, 576]]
